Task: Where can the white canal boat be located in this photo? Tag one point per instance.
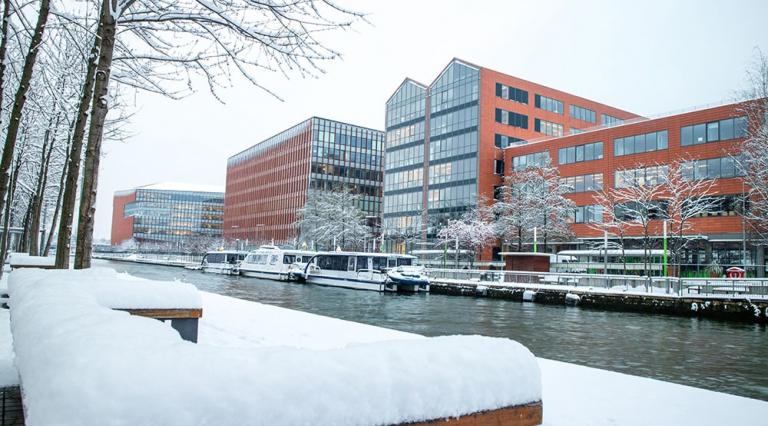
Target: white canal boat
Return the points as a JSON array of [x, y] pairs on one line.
[[274, 263], [366, 271], [226, 262]]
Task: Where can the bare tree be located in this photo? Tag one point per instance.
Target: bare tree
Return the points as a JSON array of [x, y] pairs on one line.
[[473, 231], [333, 216], [246, 35], [753, 157], [20, 98]]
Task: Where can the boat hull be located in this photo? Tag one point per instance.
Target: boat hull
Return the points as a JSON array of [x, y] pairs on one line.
[[267, 275], [352, 283]]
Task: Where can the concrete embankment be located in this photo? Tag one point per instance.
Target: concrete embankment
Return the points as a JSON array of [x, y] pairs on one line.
[[737, 309]]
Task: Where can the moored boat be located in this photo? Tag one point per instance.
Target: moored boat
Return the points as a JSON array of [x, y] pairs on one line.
[[274, 263], [366, 271], [226, 262]]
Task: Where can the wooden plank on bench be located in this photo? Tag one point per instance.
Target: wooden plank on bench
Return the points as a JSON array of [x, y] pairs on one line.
[[520, 415], [165, 313]]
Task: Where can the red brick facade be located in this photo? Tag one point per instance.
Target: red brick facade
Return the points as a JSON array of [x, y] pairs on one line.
[[264, 192], [122, 226], [610, 163]]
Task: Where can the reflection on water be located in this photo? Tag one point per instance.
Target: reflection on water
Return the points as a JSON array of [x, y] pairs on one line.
[[722, 356]]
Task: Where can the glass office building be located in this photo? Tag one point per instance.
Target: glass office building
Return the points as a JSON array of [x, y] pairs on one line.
[[167, 213], [267, 183]]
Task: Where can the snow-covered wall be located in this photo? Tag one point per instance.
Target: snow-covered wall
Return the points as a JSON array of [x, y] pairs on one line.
[[83, 363]]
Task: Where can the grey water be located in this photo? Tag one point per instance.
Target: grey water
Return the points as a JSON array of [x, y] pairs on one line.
[[722, 356]]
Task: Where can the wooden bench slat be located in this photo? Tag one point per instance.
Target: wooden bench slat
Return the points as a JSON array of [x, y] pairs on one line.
[[165, 313], [520, 415]]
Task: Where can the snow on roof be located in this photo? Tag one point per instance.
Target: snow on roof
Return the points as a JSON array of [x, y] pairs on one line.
[[83, 363], [184, 187]]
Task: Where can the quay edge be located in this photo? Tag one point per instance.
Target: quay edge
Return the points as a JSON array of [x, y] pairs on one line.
[[724, 308]]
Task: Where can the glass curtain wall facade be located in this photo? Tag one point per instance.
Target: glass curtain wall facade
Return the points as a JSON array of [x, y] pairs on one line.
[[175, 216], [431, 155], [349, 157]]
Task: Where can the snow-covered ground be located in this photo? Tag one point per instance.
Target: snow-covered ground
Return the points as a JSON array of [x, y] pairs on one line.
[[83, 363], [572, 395]]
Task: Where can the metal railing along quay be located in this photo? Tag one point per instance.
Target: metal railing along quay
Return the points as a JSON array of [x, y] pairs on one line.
[[723, 287]]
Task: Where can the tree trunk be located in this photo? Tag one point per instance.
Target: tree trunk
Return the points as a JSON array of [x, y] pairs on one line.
[[25, 226], [59, 197], [7, 214], [4, 47], [99, 108], [42, 182], [73, 165], [20, 99]]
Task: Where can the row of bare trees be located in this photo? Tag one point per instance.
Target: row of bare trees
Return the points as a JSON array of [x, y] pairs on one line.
[[65, 65]]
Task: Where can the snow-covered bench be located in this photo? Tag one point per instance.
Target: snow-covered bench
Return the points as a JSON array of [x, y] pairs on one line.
[[82, 362], [23, 260]]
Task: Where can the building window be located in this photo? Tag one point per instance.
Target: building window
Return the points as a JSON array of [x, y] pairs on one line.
[[549, 104], [654, 175], [635, 211], [503, 141], [587, 214], [713, 168], [548, 128], [609, 120], [581, 113], [636, 144], [583, 183], [536, 159], [511, 118], [511, 93], [579, 153], [723, 130], [498, 167], [723, 205]]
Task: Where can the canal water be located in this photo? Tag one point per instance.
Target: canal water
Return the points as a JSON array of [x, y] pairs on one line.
[[722, 356]]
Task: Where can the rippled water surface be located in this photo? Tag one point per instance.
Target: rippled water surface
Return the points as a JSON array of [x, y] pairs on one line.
[[718, 355]]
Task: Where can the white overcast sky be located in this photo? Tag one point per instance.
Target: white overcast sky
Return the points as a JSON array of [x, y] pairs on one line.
[[648, 57]]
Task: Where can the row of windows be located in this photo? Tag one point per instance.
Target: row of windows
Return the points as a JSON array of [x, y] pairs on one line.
[[453, 171], [355, 141], [722, 205], [714, 168], [457, 93], [407, 134], [511, 118], [634, 211], [583, 183], [609, 120], [451, 197], [503, 141], [410, 201], [579, 153], [324, 153], [511, 93], [456, 120], [653, 175], [405, 157], [587, 214], [653, 141], [323, 182], [549, 104], [403, 223], [347, 172], [461, 144], [548, 128], [722, 130], [407, 104], [405, 179], [536, 159], [581, 113]]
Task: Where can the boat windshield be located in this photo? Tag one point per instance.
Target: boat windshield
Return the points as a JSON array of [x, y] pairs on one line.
[[404, 261]]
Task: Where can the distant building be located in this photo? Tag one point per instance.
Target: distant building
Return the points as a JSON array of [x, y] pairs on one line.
[[167, 213], [267, 183]]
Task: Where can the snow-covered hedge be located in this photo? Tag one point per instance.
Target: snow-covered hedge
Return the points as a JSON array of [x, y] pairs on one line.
[[83, 363]]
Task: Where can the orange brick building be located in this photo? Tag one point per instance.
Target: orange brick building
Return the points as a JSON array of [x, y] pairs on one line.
[[444, 142], [702, 140], [267, 183]]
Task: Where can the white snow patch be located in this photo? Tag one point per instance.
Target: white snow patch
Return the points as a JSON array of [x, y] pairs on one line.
[[8, 374], [27, 260]]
